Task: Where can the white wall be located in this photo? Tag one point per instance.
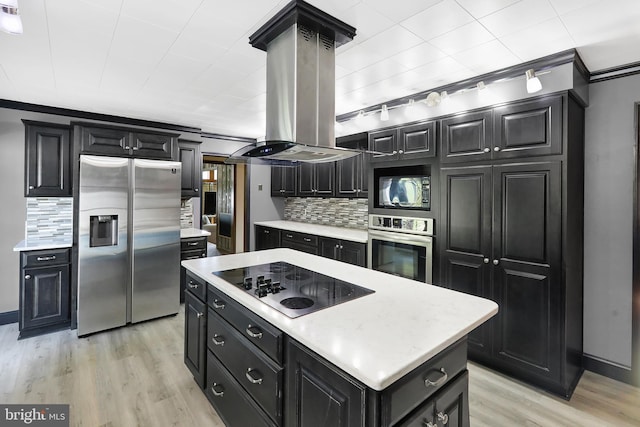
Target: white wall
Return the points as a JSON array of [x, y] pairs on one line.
[[608, 253], [261, 206]]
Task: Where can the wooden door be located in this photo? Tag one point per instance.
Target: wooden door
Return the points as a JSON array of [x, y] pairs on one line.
[[46, 296], [195, 337], [466, 252], [417, 141], [48, 167], [527, 243], [466, 137]]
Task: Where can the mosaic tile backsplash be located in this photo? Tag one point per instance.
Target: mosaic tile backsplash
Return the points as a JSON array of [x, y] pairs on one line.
[[49, 218], [186, 214], [348, 213]]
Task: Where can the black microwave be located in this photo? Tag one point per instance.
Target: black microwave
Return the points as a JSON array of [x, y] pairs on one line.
[[404, 192]]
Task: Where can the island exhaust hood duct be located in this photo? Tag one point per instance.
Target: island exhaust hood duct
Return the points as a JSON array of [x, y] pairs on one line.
[[300, 42]]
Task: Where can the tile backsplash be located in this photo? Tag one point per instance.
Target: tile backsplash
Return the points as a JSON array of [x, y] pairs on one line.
[[348, 213], [186, 214], [49, 218]]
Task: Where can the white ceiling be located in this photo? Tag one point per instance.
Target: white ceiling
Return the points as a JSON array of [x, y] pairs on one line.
[[189, 62]]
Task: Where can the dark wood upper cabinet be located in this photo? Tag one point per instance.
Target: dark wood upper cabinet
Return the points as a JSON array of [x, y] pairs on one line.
[[352, 177], [108, 141], [126, 142], [315, 179], [408, 142], [467, 137], [531, 128], [189, 156], [47, 160], [157, 146], [283, 181]]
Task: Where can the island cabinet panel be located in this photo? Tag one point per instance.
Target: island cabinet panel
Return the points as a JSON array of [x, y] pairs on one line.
[[267, 237], [317, 394], [44, 291], [195, 328], [465, 258], [48, 156], [343, 250], [283, 181]]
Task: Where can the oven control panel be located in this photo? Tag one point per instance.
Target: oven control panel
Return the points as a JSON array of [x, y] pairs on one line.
[[402, 224]]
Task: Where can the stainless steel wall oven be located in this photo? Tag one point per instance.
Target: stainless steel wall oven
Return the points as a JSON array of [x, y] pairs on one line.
[[402, 246]]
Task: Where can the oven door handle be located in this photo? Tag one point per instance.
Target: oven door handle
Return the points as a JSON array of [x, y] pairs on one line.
[[400, 237]]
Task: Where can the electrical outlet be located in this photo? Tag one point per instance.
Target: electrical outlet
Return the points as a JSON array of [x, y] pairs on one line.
[[259, 187]]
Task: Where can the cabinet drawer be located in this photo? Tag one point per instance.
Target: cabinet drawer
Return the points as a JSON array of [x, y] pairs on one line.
[[46, 257], [196, 286], [415, 387], [301, 238], [194, 254], [193, 243], [259, 375], [229, 399], [254, 328]]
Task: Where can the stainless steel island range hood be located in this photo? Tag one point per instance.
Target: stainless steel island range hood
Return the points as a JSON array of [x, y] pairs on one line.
[[300, 42]]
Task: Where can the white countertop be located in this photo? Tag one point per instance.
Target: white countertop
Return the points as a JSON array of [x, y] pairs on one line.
[[193, 232], [36, 245], [351, 234], [377, 338]]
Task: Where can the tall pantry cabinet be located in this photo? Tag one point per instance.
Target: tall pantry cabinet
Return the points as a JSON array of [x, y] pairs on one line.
[[512, 225]]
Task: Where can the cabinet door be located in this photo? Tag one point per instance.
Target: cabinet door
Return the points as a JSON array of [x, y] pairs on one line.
[[324, 176], [154, 146], [305, 180], [353, 253], [385, 142], [347, 177], [114, 142], [466, 137], [313, 250], [189, 156], [195, 337], [452, 404], [328, 247], [532, 128], [365, 160], [283, 181], [527, 270], [48, 154], [45, 299], [418, 141], [319, 395], [466, 221], [267, 238]]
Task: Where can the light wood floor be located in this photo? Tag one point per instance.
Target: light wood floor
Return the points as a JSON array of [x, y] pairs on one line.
[[135, 376]]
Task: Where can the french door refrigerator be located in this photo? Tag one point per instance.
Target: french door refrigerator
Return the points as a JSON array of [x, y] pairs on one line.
[[128, 241]]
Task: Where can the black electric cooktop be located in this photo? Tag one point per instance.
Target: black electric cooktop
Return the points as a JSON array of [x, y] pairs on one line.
[[292, 290]]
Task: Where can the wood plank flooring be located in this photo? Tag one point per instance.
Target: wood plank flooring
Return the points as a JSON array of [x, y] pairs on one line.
[[135, 376]]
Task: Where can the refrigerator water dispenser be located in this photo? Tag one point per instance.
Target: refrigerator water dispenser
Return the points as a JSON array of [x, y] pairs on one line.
[[103, 230]]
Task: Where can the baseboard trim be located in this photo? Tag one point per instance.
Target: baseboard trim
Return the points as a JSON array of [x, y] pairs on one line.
[[9, 317], [607, 368]]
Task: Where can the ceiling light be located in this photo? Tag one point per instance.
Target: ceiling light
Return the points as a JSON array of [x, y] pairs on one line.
[[360, 115], [481, 85], [10, 21], [533, 82], [384, 113]]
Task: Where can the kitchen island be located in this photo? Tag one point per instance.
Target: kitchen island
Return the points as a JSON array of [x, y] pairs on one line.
[[396, 356]]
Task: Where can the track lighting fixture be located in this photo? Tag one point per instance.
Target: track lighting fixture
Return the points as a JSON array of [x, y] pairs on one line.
[[444, 95], [433, 99], [10, 21], [533, 82], [360, 115], [481, 85], [384, 113]]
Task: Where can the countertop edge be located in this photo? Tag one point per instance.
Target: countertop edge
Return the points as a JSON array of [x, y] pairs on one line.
[[24, 245], [323, 230]]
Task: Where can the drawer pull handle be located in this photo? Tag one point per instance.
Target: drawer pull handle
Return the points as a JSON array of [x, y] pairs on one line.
[[217, 390], [192, 243], [439, 381], [427, 423], [218, 340], [443, 417], [46, 258], [306, 239], [199, 315], [218, 304], [289, 236], [193, 285], [254, 332], [28, 276], [252, 378]]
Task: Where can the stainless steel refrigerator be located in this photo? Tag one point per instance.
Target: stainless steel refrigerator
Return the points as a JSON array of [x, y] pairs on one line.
[[129, 241]]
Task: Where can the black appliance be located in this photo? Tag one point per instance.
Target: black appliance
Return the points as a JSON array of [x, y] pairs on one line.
[[292, 290]]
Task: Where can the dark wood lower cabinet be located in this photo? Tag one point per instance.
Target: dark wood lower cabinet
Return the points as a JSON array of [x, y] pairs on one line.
[[343, 250], [44, 291], [190, 248], [195, 335], [319, 395]]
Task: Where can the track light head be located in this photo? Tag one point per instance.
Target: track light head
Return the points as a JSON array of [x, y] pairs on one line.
[[533, 82]]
